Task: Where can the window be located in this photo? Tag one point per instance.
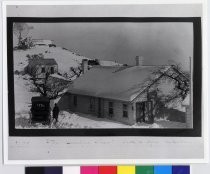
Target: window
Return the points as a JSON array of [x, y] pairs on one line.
[[43, 69], [92, 104], [125, 110], [75, 100], [111, 110]]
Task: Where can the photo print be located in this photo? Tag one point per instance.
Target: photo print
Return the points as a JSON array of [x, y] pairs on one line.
[[121, 76]]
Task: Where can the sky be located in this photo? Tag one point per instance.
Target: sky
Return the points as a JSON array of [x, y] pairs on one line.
[[158, 43]]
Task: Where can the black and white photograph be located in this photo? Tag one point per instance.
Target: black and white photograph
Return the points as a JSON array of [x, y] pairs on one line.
[[102, 75], [88, 82]]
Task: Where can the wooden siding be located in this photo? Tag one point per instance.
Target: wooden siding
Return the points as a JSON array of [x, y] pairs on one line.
[[83, 106], [118, 111], [38, 68]]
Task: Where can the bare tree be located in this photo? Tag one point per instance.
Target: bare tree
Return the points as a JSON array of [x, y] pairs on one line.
[[21, 30], [48, 85], [173, 74], [176, 75]]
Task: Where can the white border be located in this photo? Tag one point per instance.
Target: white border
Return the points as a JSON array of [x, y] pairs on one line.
[[105, 161], [101, 2], [205, 83], [4, 88]]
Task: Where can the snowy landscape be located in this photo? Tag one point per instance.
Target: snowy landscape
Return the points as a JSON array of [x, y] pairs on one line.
[[23, 92], [68, 68], [23, 96], [122, 80]]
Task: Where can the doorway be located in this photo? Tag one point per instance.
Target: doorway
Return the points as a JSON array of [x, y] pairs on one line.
[[144, 111]]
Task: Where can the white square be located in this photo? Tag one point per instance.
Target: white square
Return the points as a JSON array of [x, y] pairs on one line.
[[71, 169]]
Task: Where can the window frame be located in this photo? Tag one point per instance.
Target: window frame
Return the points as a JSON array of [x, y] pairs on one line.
[[111, 108], [125, 110], [92, 104], [75, 100]]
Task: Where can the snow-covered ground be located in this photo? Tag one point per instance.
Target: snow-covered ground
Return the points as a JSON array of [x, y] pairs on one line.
[[23, 89], [71, 120], [78, 120], [66, 119], [64, 58]]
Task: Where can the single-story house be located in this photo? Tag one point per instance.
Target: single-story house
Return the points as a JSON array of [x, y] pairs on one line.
[[39, 67], [121, 93]]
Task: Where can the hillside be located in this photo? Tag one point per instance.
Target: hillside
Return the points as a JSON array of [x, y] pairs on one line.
[[24, 90], [23, 87], [65, 58]]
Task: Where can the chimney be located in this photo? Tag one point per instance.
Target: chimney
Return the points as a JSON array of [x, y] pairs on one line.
[[139, 61], [84, 66]]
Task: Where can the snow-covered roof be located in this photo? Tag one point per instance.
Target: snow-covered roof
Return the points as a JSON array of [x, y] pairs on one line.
[[42, 41], [109, 63], [35, 62], [114, 82], [58, 76]]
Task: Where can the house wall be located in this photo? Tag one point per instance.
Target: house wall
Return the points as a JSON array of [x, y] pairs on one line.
[[39, 69], [83, 106], [141, 98], [63, 103], [48, 67], [118, 111]]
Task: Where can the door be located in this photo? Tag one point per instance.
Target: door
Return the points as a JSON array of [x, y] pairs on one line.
[[149, 115], [144, 111], [140, 112]]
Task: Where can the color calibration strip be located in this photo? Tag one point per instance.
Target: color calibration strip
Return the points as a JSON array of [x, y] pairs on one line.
[[181, 169]]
